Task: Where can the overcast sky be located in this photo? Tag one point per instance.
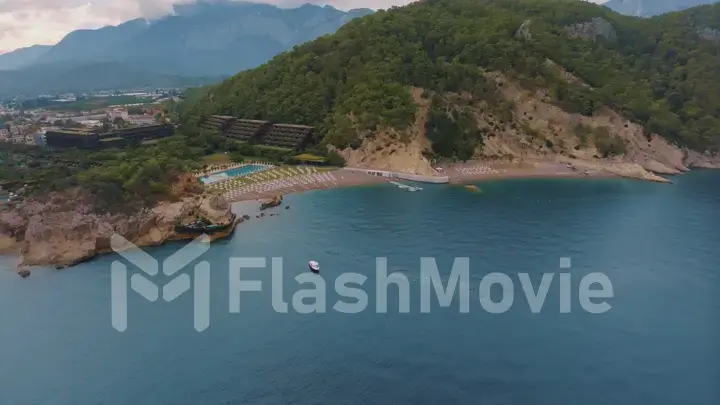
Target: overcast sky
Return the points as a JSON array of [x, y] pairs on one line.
[[28, 22]]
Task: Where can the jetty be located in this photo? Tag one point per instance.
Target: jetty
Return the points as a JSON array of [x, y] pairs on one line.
[[402, 176]]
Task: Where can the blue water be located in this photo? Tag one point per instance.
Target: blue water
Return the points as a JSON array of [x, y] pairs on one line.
[[236, 172], [658, 344]]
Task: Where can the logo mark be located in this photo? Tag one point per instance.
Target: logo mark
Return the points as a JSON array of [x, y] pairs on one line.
[[149, 290]]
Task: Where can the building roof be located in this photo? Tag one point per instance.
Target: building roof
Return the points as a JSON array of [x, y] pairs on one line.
[[306, 157], [293, 126], [73, 132]]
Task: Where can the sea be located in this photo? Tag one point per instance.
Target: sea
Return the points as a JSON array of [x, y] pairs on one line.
[[655, 340]]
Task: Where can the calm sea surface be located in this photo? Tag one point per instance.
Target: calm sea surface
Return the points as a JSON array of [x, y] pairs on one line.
[[659, 344]]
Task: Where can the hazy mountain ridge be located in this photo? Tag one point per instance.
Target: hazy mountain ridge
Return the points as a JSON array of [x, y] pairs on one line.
[[201, 40], [22, 57], [88, 45], [61, 78], [649, 8]]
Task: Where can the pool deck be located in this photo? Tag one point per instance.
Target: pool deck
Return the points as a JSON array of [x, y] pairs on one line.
[[285, 180], [214, 169]]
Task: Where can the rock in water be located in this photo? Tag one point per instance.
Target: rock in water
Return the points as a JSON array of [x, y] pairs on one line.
[[24, 273], [274, 202]]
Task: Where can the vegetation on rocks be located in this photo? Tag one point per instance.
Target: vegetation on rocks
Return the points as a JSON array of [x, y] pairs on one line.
[[133, 178], [120, 179], [658, 72]]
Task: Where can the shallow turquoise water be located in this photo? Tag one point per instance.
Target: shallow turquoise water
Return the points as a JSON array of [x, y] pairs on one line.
[[659, 344]]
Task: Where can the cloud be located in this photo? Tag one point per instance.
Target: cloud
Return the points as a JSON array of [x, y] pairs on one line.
[[27, 22]]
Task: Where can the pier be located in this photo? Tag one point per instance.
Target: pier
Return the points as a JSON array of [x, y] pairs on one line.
[[402, 176]]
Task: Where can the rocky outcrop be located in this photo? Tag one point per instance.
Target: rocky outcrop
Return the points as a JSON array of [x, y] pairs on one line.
[[524, 31], [537, 123], [596, 28], [701, 160], [709, 34], [273, 202], [62, 230], [622, 169]]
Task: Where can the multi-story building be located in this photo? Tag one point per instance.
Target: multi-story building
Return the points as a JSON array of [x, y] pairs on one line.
[[118, 113], [116, 139], [140, 119], [66, 138], [260, 132]]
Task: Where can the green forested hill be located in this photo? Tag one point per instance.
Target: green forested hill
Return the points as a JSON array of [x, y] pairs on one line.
[[658, 72]]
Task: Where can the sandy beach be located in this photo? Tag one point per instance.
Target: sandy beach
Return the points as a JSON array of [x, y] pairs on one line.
[[461, 173], [470, 171], [333, 179]]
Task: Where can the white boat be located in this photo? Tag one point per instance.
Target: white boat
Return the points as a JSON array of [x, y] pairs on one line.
[[314, 266]]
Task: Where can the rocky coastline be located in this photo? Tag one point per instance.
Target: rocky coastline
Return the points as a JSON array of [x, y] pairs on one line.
[[63, 230]]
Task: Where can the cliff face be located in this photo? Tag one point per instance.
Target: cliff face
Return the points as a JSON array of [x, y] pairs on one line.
[[535, 129], [593, 29], [61, 232], [398, 151]]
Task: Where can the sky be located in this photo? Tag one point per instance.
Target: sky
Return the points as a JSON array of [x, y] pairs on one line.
[[29, 22]]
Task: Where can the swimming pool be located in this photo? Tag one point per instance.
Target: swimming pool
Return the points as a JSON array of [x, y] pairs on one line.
[[236, 172]]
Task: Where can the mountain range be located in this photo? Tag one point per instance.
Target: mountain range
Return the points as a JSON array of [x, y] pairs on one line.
[[199, 40], [67, 78], [649, 8]]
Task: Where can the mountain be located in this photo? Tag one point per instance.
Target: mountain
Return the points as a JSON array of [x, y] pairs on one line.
[[203, 38], [458, 79], [61, 78], [83, 46], [22, 57], [648, 8]]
